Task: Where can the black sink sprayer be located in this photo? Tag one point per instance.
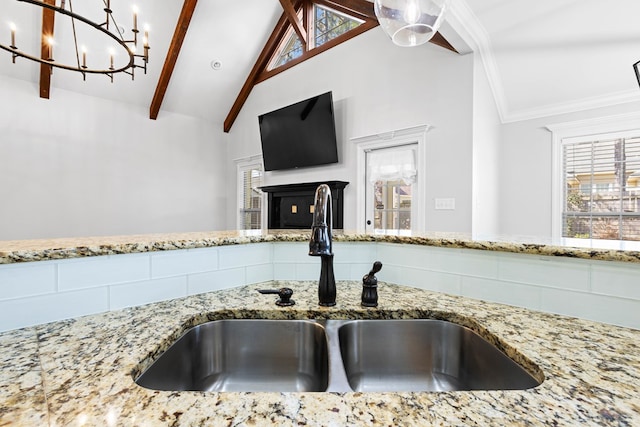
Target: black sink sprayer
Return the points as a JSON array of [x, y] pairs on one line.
[[370, 286]]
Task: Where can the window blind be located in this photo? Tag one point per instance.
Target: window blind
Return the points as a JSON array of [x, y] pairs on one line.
[[251, 196], [601, 189], [395, 165]]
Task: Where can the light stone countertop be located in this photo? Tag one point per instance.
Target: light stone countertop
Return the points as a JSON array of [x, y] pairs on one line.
[[16, 251], [79, 372]]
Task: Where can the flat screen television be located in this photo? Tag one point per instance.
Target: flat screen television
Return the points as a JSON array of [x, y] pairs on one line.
[[299, 135]]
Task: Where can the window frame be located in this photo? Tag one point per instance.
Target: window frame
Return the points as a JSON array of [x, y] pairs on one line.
[[243, 165], [308, 15], [600, 128], [309, 50]]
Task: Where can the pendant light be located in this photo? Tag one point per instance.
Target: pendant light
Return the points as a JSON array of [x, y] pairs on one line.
[[410, 22]]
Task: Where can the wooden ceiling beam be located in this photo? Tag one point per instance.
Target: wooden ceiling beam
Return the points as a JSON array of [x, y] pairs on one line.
[[179, 34], [48, 21], [290, 11], [265, 55], [439, 40], [309, 23], [358, 8]]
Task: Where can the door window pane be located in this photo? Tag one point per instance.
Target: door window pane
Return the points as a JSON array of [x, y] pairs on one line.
[[392, 206]]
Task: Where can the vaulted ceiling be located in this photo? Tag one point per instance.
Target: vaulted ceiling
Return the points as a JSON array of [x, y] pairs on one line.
[[542, 57]]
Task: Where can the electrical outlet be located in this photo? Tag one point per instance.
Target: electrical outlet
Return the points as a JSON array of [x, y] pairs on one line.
[[445, 204]]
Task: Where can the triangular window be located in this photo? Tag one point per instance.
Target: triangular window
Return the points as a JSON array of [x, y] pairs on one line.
[[290, 50], [330, 24], [327, 25]]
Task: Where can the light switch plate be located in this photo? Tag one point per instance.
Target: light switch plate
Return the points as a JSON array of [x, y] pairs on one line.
[[445, 204]]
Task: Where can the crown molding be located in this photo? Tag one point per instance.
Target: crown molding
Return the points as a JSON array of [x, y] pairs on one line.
[[468, 26], [573, 106], [464, 21], [596, 125]]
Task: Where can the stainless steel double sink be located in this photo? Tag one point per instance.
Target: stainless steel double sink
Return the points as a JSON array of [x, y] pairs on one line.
[[241, 355]]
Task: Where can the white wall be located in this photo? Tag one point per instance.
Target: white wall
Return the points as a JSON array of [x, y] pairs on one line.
[[526, 171], [486, 155], [76, 165], [377, 87]]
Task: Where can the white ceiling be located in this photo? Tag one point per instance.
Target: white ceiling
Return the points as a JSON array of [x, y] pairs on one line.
[[542, 56], [554, 56]]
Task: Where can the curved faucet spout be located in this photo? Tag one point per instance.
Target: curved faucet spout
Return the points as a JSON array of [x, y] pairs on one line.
[[321, 229], [320, 244]]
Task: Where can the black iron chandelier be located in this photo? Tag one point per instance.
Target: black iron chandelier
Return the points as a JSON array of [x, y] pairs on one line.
[[80, 63], [636, 68]]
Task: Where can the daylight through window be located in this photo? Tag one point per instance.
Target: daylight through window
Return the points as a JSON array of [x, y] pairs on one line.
[[292, 49], [331, 24], [250, 215], [601, 187], [327, 23]]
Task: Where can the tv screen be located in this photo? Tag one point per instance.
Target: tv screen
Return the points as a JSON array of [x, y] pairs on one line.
[[300, 135]]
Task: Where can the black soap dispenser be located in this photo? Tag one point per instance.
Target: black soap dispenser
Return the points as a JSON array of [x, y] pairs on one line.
[[370, 286]]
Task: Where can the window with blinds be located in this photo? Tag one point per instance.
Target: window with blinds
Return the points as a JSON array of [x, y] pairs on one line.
[[250, 213], [601, 189]]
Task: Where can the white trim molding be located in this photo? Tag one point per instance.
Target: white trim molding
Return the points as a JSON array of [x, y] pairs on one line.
[[573, 106], [468, 26]]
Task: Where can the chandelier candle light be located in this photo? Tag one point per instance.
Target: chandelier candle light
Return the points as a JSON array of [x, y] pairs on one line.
[[410, 22], [65, 7]]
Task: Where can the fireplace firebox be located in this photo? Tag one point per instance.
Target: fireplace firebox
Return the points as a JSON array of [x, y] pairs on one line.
[[291, 205]]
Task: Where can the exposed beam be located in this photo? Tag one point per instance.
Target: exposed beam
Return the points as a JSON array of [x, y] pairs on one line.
[[309, 23], [267, 52], [294, 20], [361, 8], [439, 40], [48, 20], [172, 56]]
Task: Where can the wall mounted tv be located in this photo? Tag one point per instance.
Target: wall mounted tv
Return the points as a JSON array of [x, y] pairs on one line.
[[299, 135]]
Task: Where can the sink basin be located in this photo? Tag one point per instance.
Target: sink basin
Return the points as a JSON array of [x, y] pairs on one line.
[[424, 355], [244, 355]]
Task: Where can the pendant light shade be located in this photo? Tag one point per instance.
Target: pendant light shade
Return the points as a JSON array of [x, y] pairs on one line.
[[410, 22]]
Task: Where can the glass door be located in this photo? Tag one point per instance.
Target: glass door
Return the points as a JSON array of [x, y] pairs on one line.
[[391, 179]]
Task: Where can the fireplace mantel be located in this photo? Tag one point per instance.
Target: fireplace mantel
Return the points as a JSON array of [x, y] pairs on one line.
[[290, 205]]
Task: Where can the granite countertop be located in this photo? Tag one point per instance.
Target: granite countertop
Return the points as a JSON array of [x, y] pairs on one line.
[[80, 371], [15, 251]]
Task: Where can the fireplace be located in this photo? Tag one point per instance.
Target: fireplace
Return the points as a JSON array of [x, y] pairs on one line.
[[291, 205]]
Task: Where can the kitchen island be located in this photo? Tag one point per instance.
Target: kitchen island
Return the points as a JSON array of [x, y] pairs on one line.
[[81, 371]]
